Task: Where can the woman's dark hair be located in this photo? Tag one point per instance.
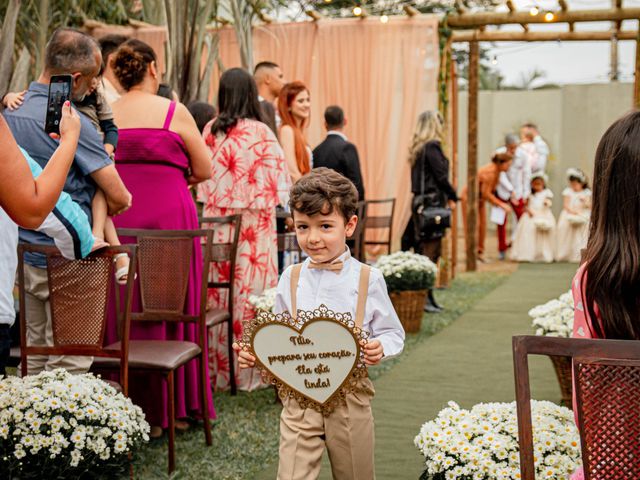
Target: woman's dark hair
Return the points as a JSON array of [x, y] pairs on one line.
[[237, 99], [613, 250], [202, 113], [131, 61]]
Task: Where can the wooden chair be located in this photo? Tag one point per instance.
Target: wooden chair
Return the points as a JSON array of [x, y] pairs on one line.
[[79, 292], [606, 376], [377, 222], [222, 253], [164, 267]]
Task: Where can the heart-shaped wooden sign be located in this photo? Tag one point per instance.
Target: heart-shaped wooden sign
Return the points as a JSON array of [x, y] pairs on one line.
[[316, 358]]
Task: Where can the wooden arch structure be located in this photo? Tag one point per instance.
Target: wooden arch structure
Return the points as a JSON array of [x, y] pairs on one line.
[[470, 27]]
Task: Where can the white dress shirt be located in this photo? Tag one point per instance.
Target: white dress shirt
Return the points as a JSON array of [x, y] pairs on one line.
[[339, 292], [540, 163], [338, 133], [519, 173]]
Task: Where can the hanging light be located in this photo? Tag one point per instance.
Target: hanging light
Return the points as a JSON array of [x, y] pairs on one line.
[[533, 11], [327, 1], [494, 60], [549, 17], [357, 11], [384, 19]]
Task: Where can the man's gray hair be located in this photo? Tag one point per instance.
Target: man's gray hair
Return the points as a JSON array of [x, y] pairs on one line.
[[511, 139], [70, 51]]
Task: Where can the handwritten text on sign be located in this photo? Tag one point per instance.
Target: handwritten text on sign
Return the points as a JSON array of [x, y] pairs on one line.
[[315, 361]]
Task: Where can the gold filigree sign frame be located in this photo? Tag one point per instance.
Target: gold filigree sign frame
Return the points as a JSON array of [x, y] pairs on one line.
[[350, 383]]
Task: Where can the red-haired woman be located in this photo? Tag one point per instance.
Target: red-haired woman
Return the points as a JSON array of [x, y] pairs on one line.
[[294, 106]]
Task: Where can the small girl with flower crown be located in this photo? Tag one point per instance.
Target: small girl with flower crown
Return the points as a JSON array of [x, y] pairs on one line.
[[534, 240], [573, 224]]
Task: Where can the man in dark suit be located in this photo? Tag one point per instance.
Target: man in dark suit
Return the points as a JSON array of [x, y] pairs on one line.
[[336, 152]]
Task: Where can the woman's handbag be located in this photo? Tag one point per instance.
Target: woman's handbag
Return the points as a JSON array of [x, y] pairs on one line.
[[430, 217]]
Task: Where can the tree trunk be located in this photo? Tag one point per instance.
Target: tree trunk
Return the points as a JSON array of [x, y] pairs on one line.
[[20, 77], [43, 34], [7, 40]]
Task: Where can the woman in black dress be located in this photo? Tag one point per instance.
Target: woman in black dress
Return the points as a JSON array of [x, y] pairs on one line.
[[430, 178]]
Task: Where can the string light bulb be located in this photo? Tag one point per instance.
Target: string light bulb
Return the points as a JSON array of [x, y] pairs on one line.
[[327, 1], [384, 19], [533, 11], [549, 17], [494, 60], [357, 11]]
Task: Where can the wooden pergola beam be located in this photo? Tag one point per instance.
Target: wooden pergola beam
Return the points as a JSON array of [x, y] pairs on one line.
[[563, 5], [500, 36], [477, 19]]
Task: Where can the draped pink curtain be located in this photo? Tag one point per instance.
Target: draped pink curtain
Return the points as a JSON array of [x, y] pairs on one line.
[[382, 75]]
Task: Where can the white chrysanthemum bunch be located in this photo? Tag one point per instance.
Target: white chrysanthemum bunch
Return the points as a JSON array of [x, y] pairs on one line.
[[265, 302], [66, 423], [482, 443], [407, 271], [554, 318]]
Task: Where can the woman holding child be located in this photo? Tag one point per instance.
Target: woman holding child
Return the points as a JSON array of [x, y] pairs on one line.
[[160, 153]]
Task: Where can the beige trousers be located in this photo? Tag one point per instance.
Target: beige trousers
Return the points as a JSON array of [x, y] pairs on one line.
[[347, 433], [39, 328]]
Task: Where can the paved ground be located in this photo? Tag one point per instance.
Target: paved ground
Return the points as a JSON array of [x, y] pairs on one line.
[[469, 362]]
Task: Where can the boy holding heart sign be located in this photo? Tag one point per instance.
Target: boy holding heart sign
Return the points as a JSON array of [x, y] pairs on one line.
[[323, 204]]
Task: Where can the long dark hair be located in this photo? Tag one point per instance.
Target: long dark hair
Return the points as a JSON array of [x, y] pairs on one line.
[[613, 251], [237, 99]]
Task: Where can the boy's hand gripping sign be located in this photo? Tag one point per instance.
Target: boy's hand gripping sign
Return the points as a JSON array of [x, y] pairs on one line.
[[317, 358]]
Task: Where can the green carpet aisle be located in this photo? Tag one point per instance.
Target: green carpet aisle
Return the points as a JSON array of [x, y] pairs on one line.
[[468, 362]]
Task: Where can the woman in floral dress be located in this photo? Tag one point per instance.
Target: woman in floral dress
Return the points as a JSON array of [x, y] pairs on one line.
[[249, 177]]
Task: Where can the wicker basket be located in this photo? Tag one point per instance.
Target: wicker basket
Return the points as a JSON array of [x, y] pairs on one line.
[[409, 306], [562, 366]]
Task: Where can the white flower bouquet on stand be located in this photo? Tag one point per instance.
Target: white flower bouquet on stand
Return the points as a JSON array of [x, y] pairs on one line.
[[408, 276], [59, 425], [482, 443], [265, 302], [555, 319]]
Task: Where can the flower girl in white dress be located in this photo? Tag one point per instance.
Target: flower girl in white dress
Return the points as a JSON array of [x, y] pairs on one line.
[[573, 223], [535, 237]]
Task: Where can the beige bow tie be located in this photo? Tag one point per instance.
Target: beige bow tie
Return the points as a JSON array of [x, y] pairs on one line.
[[332, 267]]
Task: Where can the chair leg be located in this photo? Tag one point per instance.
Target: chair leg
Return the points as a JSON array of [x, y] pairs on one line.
[[205, 404], [232, 368], [171, 410]]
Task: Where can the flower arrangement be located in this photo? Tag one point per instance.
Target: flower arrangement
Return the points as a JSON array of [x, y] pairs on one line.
[[266, 301], [554, 318], [404, 271], [66, 425], [482, 443]]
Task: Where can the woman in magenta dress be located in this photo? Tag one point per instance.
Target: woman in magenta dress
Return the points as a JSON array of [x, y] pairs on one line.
[[160, 153], [606, 289], [249, 177]]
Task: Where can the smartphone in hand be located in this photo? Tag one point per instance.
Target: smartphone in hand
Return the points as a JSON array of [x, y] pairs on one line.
[[59, 92]]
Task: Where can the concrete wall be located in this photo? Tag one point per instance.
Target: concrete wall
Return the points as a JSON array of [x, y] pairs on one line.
[[572, 119]]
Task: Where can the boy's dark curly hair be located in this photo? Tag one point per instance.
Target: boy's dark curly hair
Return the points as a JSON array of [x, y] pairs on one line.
[[324, 190]]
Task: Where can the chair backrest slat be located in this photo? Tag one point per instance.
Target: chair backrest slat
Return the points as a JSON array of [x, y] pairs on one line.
[[372, 219], [224, 249]]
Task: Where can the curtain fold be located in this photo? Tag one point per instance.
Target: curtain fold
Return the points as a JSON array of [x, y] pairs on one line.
[[382, 75]]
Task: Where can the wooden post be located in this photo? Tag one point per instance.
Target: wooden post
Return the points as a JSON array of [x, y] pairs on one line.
[[454, 164], [472, 162], [636, 83], [445, 79]]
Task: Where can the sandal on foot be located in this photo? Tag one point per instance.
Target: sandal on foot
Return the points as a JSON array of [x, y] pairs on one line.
[[122, 272], [155, 432]]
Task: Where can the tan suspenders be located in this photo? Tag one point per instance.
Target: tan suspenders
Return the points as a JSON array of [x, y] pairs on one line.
[[363, 290]]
